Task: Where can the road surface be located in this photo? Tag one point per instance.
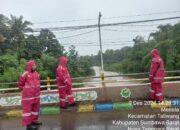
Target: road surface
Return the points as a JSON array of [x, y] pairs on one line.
[[114, 120]]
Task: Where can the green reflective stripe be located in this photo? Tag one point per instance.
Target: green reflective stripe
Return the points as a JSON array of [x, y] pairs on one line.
[[50, 110], [122, 106]]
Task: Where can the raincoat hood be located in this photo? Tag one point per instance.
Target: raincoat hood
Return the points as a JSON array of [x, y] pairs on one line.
[[155, 53], [63, 60], [29, 65]]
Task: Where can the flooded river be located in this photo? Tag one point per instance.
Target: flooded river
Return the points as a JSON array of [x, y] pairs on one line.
[[107, 73]]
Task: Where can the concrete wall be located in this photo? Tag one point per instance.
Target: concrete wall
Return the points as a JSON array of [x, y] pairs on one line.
[[101, 94], [112, 94]]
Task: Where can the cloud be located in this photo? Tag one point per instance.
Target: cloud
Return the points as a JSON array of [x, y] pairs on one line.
[[61, 10]]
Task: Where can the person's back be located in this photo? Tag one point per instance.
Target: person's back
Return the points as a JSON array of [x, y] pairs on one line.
[[156, 76], [157, 67], [64, 83], [62, 72]]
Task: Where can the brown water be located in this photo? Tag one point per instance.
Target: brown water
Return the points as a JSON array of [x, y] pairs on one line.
[[108, 73]]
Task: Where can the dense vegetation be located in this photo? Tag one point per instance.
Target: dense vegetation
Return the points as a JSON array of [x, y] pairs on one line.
[[18, 45], [137, 58]]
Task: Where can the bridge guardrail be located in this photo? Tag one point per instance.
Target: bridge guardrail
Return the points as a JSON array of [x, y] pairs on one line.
[[49, 81]]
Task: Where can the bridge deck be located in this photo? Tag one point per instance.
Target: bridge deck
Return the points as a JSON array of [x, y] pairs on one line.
[[97, 121]]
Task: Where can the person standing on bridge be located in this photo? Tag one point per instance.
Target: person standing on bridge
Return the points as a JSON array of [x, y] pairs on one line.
[[29, 85], [156, 76], [64, 83]]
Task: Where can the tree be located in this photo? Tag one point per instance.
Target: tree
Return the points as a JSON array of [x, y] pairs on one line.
[[138, 40], [32, 48], [73, 61], [49, 44], [84, 65], [164, 32], [4, 30], [7, 61], [138, 58], [48, 65], [17, 46], [18, 28]]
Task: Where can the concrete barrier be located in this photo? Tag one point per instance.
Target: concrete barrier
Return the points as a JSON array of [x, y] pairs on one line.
[[86, 108], [104, 107], [122, 106], [98, 94]]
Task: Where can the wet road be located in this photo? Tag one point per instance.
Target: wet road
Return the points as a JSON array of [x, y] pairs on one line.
[[115, 120]]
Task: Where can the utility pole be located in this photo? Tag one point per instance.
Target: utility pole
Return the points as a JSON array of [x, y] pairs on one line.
[[102, 64]]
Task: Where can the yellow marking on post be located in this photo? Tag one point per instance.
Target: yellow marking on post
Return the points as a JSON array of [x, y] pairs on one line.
[[14, 113], [86, 108]]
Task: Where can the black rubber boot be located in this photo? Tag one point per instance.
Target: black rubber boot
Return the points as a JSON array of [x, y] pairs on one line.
[[37, 123], [27, 127], [31, 127], [158, 102], [73, 105], [63, 107]]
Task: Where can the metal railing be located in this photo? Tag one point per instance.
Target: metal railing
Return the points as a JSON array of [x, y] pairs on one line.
[[49, 82]]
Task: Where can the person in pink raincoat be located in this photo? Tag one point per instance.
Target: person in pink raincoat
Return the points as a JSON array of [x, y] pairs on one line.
[[64, 83], [29, 85], [156, 76]]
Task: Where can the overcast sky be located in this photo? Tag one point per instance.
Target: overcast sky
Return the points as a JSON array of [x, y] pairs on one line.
[[51, 13]]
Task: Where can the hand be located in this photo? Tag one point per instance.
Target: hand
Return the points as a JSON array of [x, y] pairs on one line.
[[69, 84], [151, 78], [21, 88]]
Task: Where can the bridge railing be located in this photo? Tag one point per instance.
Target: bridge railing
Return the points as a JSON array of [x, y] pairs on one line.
[[51, 83]]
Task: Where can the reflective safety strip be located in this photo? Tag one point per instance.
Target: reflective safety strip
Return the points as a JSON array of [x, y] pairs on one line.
[[159, 60], [161, 69], [152, 91], [61, 86], [26, 87], [159, 94], [158, 78], [70, 96], [34, 113], [61, 99], [26, 114], [30, 98], [29, 86]]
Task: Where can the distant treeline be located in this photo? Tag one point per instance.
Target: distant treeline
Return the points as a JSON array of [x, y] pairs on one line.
[[137, 58]]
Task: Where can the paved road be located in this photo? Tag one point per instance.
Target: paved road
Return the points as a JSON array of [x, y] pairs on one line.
[[115, 120]]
